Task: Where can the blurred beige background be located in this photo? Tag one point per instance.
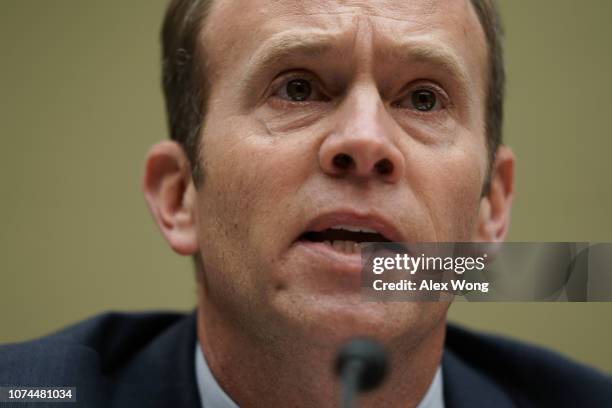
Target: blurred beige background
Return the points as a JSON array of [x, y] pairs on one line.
[[80, 104]]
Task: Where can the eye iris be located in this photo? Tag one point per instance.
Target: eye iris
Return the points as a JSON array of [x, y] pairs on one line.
[[424, 100], [298, 90]]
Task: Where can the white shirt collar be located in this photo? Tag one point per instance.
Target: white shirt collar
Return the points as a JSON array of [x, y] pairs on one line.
[[213, 396], [211, 393]]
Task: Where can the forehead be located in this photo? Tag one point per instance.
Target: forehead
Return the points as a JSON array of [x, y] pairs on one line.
[[237, 29]]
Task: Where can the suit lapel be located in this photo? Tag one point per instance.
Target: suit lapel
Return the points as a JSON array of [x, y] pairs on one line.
[[163, 374], [465, 387]]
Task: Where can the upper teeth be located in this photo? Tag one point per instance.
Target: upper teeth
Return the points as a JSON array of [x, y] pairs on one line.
[[353, 229]]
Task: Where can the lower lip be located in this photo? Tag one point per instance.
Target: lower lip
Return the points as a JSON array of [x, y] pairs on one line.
[[330, 258]]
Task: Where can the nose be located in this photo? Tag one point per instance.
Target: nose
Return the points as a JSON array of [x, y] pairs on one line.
[[361, 144]]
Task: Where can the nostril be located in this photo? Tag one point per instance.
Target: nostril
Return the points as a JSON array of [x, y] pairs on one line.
[[384, 167], [343, 161]]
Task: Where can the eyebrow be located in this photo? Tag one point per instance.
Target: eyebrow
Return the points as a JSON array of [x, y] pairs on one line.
[[435, 54], [310, 44], [317, 43]]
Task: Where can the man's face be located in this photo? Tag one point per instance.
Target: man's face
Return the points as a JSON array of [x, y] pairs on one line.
[[335, 115]]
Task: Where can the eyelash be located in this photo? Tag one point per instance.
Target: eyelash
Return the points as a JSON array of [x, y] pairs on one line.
[[282, 81], [442, 98]]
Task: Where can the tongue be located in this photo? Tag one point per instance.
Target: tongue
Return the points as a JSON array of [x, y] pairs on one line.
[[343, 235]]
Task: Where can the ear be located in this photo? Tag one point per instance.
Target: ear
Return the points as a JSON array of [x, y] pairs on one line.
[[494, 213], [170, 194]]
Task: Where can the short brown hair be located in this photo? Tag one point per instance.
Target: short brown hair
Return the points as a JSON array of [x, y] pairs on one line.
[[185, 82]]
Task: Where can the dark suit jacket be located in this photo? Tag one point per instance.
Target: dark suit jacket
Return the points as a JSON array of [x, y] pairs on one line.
[[147, 360]]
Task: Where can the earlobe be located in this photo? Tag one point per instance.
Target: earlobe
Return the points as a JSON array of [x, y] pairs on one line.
[[169, 193], [495, 207]]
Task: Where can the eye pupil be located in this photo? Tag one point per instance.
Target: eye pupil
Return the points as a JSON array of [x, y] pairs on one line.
[[424, 100], [298, 90]]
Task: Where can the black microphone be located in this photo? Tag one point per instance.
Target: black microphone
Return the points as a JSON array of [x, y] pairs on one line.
[[361, 365]]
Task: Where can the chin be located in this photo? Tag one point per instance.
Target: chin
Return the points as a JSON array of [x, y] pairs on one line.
[[336, 318]]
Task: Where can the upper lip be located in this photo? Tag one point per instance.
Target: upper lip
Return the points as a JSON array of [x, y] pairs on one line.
[[352, 218]]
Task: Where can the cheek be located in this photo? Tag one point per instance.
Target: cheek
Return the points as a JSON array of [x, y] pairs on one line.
[[250, 188], [451, 190], [226, 199]]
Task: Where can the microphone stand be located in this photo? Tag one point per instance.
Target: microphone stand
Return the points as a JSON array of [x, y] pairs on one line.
[[361, 365]]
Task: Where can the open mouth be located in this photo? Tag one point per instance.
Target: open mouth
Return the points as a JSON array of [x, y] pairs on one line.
[[345, 239]]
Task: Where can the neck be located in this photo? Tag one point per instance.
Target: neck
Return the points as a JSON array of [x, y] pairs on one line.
[[298, 372]]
